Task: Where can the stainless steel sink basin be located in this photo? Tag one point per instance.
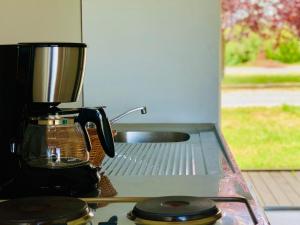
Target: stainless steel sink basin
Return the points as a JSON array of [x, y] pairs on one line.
[[150, 137]]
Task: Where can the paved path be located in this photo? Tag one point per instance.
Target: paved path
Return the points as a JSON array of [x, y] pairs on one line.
[[262, 70], [259, 97]]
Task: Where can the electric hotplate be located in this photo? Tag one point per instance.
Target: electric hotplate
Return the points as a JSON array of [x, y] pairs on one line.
[[178, 209], [44, 210]]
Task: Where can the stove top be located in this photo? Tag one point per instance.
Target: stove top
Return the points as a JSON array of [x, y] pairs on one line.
[[166, 210], [180, 210], [217, 211]]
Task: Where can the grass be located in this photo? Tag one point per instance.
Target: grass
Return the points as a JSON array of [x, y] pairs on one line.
[[260, 79], [263, 137]]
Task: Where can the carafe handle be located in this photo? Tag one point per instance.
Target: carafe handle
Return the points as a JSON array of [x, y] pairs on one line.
[[108, 141], [98, 117]]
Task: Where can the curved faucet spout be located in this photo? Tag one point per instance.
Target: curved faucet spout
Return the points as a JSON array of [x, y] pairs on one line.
[[143, 110]]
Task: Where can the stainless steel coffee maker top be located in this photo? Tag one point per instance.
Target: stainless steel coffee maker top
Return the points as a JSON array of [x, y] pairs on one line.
[[57, 71]]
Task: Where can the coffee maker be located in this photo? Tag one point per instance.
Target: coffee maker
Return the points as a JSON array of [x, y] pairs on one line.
[[34, 79]]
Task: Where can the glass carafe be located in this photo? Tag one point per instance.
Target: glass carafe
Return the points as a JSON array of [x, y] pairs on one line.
[[54, 143], [61, 141]]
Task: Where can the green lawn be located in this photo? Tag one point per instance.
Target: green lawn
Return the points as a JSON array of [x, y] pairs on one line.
[[263, 137], [260, 79]]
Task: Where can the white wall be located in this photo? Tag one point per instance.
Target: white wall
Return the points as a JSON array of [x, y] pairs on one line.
[[40, 21], [160, 53]]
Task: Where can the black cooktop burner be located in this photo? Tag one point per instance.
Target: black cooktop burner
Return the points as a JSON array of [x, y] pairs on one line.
[[44, 210], [185, 209]]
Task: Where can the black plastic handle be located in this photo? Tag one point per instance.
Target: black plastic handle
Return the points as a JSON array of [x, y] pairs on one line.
[[98, 117], [108, 142]]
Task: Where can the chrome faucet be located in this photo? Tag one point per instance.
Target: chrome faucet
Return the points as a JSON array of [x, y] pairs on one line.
[[143, 110]]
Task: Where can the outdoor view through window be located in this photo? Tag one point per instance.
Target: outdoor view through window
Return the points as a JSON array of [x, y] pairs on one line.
[[261, 94]]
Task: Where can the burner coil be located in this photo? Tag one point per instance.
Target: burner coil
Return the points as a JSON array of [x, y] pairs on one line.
[[175, 209]]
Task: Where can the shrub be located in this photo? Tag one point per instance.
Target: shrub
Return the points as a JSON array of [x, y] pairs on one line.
[[285, 49], [243, 50]]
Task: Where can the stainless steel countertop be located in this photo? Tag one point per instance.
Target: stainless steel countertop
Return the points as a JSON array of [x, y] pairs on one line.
[[196, 167]]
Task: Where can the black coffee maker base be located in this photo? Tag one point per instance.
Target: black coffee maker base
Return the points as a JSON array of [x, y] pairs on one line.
[[76, 182]]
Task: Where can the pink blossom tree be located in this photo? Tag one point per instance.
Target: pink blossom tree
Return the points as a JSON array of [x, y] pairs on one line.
[[264, 17]]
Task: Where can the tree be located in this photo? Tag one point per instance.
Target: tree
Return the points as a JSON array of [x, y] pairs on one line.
[[265, 17]]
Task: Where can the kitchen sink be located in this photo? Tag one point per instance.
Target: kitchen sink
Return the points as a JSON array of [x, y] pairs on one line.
[[150, 137]]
